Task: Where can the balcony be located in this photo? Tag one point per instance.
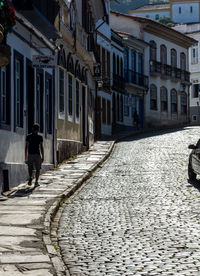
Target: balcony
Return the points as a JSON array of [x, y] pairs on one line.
[[118, 83], [168, 71], [136, 79]]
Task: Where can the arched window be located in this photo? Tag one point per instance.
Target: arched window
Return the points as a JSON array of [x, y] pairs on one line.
[[173, 58], [153, 50], [70, 64], [183, 103], [163, 98], [78, 70], [84, 75], [173, 101], [163, 54], [183, 61], [121, 67], [114, 65], [153, 97]]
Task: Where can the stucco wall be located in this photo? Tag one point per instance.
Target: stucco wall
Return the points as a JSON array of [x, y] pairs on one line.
[[185, 16], [152, 14], [12, 142]]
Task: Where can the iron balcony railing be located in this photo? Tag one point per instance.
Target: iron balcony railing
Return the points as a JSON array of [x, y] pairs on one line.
[[136, 78], [169, 71], [118, 82]]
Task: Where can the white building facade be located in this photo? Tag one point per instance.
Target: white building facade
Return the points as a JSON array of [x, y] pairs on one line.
[[193, 30], [166, 60], [27, 96]]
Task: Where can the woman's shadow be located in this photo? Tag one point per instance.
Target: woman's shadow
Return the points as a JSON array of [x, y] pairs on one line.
[[23, 192]]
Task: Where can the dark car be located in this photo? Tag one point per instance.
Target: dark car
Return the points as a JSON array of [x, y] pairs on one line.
[[194, 161]]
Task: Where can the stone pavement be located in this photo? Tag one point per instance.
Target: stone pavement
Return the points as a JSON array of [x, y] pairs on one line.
[[139, 214], [25, 244]]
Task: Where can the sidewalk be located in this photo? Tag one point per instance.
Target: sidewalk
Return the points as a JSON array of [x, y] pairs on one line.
[[26, 214], [25, 245]]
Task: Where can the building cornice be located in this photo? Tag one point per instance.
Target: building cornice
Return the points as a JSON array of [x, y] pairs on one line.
[[161, 30]]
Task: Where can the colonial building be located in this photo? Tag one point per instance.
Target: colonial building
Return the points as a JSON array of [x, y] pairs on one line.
[[26, 92], [117, 80], [193, 30], [75, 106], [104, 93], [136, 79], [166, 60]]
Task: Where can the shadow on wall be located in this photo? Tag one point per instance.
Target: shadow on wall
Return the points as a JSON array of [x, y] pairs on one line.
[[67, 149]]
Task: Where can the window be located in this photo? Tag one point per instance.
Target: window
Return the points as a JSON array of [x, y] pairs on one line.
[[194, 54], [108, 112], [183, 103], [39, 99], [133, 60], [104, 111], [61, 93], [179, 10], [19, 93], [77, 101], [157, 16], [147, 15], [153, 51], [18, 87], [140, 64], [153, 97], [183, 61], [163, 98], [70, 100], [48, 104], [194, 118], [121, 67], [173, 58], [126, 107], [163, 54], [191, 9], [108, 65], [3, 96], [114, 65], [72, 17], [196, 89], [173, 101]]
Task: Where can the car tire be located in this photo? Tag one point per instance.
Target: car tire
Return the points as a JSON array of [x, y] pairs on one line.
[[191, 174]]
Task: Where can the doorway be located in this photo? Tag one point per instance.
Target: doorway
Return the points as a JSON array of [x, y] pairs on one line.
[[98, 117], [84, 116]]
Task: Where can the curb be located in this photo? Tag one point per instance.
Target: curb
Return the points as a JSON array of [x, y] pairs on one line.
[[51, 213]]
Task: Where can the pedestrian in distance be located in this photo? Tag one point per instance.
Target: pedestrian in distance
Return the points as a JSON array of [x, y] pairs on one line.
[[136, 119], [34, 154]]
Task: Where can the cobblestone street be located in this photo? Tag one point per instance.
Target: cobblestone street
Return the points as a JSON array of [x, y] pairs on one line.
[[138, 215]]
